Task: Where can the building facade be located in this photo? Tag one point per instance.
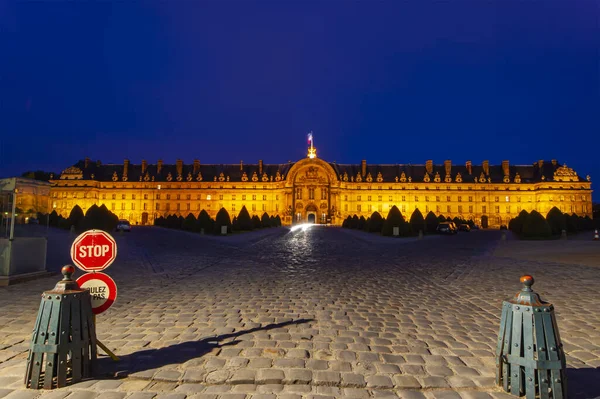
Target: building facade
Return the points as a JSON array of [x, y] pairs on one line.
[[313, 190], [32, 197]]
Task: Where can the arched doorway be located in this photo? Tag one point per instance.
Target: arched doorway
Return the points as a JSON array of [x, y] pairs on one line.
[[145, 218], [311, 214], [311, 218]]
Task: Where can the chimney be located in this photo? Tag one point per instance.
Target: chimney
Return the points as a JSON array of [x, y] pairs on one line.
[[540, 163], [363, 167], [196, 166], [179, 166], [448, 167], [241, 165], [260, 167], [98, 163], [429, 166], [144, 166], [87, 162], [159, 165], [125, 167], [469, 167], [486, 167], [505, 168], [554, 162]]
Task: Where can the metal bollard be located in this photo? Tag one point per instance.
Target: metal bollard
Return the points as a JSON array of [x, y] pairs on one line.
[[529, 355], [63, 344]]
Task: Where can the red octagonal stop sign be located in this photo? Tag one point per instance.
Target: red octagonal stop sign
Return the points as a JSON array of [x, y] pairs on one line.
[[93, 250]]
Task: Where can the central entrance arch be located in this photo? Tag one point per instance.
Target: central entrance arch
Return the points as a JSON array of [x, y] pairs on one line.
[[311, 214], [312, 218]]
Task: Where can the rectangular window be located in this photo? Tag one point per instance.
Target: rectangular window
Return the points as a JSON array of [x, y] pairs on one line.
[[114, 196], [437, 198], [416, 199], [298, 193], [447, 198], [369, 208], [168, 206], [158, 207], [188, 197], [178, 196], [311, 193], [448, 209], [403, 208], [254, 207], [345, 198], [507, 198], [145, 196], [459, 198], [276, 207], [113, 206], [132, 196], [145, 206], [496, 199], [483, 209], [198, 197], [168, 196], [497, 209], [103, 196], [323, 193], [426, 208], [133, 206], [178, 206], [122, 206], [368, 198], [277, 197], [232, 207], [426, 198], [243, 197], [358, 197], [379, 198], [188, 206], [470, 208], [437, 208], [345, 207], [482, 199], [460, 209], [403, 198], [358, 208], [470, 198], [518, 199], [221, 197], [391, 198], [264, 197], [122, 196], [507, 208], [264, 207], [233, 197], [197, 207], [379, 208], [253, 197]]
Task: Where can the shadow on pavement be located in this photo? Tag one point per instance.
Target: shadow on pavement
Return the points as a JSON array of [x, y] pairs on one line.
[[151, 359], [583, 383]]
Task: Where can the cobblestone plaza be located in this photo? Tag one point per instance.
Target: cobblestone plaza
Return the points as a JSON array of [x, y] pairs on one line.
[[319, 313]]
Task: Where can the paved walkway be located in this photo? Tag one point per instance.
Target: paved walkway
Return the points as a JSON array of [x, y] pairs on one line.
[[315, 314]]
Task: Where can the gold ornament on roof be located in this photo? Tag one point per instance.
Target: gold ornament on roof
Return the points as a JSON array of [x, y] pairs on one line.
[[169, 177], [265, 177], [448, 179], [403, 177], [426, 179], [409, 179], [358, 177], [482, 177], [437, 177], [277, 176], [199, 177], [564, 173], [345, 178], [379, 177], [244, 176], [221, 177], [369, 178], [114, 176], [147, 177], [506, 179], [588, 178], [517, 178], [189, 176], [179, 177], [458, 178], [254, 176]]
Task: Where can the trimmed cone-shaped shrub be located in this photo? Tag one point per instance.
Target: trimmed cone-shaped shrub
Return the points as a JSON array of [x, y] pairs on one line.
[[556, 220], [222, 219], [180, 221], [204, 221], [395, 219], [256, 222], [63, 223], [417, 222], [346, 222], [572, 223], [278, 221], [361, 223], [234, 224], [588, 223], [159, 221], [375, 223], [54, 218], [265, 220], [431, 222], [92, 218], [354, 222], [273, 221], [189, 223], [244, 220], [366, 226], [536, 226], [484, 222], [441, 219], [76, 217], [516, 225]]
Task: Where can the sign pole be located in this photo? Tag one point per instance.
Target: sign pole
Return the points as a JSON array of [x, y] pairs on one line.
[[104, 348]]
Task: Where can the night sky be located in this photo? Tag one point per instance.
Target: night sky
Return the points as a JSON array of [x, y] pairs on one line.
[[389, 82]]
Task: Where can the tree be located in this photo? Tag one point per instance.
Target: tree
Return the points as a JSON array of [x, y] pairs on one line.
[[536, 226], [265, 220], [273, 221], [417, 222], [256, 222], [54, 218], [441, 219], [572, 223], [76, 218], [244, 220], [395, 219], [204, 222], [361, 223], [159, 221], [346, 223], [278, 219], [431, 222], [375, 223], [516, 225], [354, 222], [222, 219], [556, 220], [189, 223]]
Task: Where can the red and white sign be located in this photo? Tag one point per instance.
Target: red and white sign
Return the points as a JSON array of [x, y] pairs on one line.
[[102, 289], [93, 250]]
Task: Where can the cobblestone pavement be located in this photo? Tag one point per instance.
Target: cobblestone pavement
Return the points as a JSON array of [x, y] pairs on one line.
[[318, 314]]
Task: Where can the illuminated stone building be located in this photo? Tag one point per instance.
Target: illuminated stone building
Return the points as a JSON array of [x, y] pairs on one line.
[[313, 190], [33, 197]]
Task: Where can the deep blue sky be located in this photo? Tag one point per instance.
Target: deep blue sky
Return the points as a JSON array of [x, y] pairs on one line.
[[387, 81]]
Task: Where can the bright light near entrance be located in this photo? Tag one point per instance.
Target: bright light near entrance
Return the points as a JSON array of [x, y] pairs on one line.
[[302, 226]]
